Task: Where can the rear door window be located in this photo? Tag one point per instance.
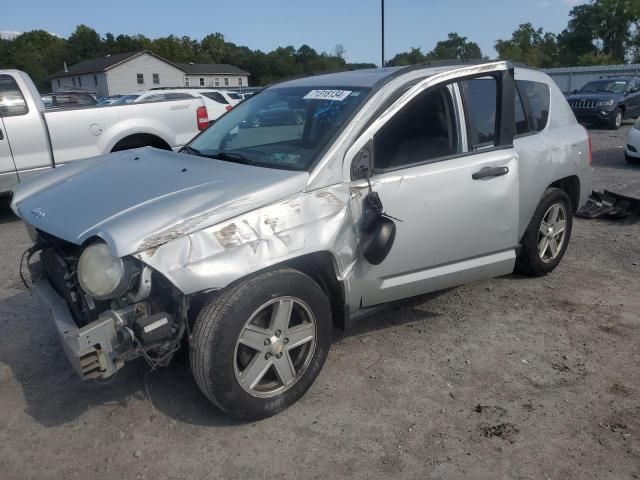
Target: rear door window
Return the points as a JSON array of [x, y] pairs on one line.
[[537, 98], [216, 97], [480, 99], [12, 102]]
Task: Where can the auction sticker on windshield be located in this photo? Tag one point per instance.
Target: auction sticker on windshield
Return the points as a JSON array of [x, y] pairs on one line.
[[337, 95]]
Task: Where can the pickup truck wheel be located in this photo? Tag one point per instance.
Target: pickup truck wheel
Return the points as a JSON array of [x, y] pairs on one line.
[[258, 347], [616, 120], [547, 237]]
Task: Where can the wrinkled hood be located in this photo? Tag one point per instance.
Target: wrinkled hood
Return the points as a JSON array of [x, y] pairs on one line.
[[597, 96], [139, 199]]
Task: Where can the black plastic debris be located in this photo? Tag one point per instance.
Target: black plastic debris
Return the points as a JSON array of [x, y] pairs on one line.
[[612, 206]]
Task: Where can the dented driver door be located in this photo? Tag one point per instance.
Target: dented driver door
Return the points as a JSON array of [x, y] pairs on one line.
[[446, 169]]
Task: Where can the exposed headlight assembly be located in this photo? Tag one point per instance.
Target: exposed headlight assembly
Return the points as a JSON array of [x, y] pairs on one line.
[[101, 275], [606, 103]]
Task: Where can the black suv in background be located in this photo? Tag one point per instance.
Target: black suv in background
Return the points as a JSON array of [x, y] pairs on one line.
[[607, 101]]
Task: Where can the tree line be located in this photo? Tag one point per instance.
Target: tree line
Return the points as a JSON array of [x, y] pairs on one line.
[[598, 32]]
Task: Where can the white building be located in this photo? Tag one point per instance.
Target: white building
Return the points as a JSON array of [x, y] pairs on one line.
[[128, 72]]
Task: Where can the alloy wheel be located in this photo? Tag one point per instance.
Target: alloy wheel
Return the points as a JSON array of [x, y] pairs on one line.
[[552, 232], [275, 347]]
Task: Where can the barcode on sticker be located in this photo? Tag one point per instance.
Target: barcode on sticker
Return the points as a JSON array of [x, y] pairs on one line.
[[337, 95]]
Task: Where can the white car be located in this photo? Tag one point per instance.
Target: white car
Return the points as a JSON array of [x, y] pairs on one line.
[[632, 152], [218, 102]]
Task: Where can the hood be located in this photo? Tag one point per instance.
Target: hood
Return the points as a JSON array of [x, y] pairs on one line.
[[139, 199], [597, 96]]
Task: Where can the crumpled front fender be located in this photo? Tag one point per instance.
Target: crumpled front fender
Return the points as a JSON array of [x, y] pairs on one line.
[[212, 258]]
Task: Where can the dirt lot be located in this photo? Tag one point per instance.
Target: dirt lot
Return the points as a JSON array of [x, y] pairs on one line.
[[510, 378]]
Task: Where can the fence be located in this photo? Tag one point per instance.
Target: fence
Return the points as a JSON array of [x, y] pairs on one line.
[[574, 78]]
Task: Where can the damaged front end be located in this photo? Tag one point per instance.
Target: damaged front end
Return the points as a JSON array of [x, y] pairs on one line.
[[145, 316]]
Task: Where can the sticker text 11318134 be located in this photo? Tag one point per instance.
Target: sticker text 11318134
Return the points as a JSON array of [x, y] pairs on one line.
[[336, 95]]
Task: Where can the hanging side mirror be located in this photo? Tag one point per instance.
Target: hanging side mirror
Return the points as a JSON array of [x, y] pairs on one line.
[[378, 240]]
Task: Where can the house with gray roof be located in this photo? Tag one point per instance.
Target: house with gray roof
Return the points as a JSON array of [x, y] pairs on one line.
[[128, 72]]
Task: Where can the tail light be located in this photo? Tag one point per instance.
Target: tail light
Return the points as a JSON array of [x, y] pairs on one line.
[[202, 117], [228, 108]]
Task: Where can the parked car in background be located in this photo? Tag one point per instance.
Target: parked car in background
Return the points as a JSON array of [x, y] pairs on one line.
[[278, 113], [255, 242], [67, 99], [108, 100], [607, 101], [632, 150], [218, 102], [33, 139]]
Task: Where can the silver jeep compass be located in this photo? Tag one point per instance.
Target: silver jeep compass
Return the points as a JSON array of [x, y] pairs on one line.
[[300, 210]]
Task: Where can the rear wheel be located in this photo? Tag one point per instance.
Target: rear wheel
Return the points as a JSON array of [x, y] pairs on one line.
[[258, 347], [547, 237]]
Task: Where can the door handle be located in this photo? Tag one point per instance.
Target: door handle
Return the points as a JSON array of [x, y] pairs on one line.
[[487, 172]]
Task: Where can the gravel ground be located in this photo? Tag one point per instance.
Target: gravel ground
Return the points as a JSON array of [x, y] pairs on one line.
[[509, 378]]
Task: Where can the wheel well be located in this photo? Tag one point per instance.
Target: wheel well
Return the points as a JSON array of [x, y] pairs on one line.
[[622, 107], [138, 140], [571, 186], [317, 265]]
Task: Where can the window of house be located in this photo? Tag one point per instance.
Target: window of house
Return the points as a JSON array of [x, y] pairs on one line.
[[217, 81], [186, 81], [480, 99], [73, 80], [79, 81], [202, 81], [422, 131], [226, 81], [156, 79], [537, 98], [11, 100], [58, 83], [140, 78], [239, 81], [95, 80]]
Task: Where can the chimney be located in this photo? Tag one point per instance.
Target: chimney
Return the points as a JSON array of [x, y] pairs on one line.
[[66, 70]]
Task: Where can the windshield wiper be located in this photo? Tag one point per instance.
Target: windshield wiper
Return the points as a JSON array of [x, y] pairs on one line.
[[231, 157], [190, 150]]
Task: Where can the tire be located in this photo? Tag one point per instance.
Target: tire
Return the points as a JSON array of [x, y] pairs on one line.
[[219, 358], [529, 260], [616, 120], [631, 160]]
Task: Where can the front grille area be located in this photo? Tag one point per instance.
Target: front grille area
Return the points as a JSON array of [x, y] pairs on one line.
[[578, 104]]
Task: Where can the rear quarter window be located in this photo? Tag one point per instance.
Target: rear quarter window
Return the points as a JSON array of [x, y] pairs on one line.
[[12, 102], [537, 98]]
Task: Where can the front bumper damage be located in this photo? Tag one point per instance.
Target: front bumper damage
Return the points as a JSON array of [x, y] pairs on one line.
[[92, 349]]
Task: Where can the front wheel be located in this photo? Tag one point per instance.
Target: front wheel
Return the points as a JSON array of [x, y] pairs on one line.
[[616, 120], [547, 236], [259, 346]]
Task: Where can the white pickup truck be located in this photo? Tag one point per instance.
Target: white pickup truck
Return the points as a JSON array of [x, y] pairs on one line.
[[33, 139]]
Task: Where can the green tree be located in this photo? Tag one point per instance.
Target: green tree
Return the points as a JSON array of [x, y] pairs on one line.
[[215, 46], [82, 44], [455, 47], [529, 45], [412, 57], [39, 53]]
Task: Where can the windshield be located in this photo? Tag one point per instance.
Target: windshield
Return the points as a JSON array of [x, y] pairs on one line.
[[611, 86], [125, 99], [280, 128]]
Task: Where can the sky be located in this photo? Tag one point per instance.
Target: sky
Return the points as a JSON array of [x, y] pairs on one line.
[[267, 24]]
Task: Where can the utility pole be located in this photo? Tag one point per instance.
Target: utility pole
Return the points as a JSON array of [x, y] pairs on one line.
[[382, 16]]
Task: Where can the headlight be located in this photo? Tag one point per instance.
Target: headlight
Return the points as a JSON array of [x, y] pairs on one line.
[[101, 275], [606, 103]]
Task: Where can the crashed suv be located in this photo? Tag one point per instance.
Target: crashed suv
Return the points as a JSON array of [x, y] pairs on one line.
[[255, 241]]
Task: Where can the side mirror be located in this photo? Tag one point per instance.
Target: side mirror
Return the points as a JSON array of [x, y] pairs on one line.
[[378, 240], [362, 165]]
